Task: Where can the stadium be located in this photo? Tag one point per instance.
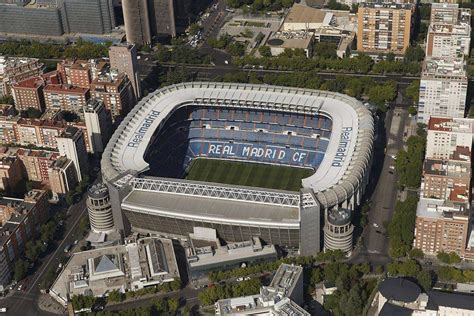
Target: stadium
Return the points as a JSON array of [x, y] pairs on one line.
[[247, 160]]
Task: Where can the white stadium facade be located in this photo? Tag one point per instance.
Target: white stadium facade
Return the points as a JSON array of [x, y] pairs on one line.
[[328, 132]]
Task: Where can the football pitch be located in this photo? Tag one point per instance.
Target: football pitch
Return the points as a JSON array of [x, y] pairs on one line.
[[248, 174]]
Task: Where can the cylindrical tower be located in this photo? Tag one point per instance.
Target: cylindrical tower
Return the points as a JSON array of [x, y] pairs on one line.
[[338, 231], [100, 209], [137, 21]]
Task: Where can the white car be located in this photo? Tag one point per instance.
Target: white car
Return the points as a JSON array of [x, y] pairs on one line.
[[3, 310], [375, 225], [240, 279]]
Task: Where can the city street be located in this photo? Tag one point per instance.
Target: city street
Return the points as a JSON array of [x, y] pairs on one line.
[[374, 247], [26, 302]]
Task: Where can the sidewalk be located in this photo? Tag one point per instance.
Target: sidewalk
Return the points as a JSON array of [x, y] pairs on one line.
[[48, 304]]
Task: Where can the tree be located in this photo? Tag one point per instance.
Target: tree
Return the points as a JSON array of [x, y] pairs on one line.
[[70, 198], [20, 269], [194, 29], [173, 305], [425, 279], [265, 51], [416, 253], [175, 285], [413, 91], [379, 269], [115, 296], [412, 110], [414, 54], [325, 50], [33, 249], [381, 94], [7, 99], [334, 5], [443, 257]]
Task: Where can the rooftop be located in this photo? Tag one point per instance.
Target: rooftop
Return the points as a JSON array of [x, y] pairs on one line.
[[218, 254], [447, 124], [437, 209], [290, 40], [272, 300], [399, 289], [21, 209], [65, 88], [453, 300], [286, 277], [122, 267], [387, 5], [217, 210], [444, 67]]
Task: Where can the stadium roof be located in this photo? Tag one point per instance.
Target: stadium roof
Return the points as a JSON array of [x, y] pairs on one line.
[[338, 177], [212, 209]]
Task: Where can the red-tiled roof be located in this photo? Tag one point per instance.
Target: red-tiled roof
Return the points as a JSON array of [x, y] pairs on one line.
[[65, 89], [435, 123]]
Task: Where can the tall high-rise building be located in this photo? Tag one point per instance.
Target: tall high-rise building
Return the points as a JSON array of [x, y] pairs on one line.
[[57, 17], [98, 123], [145, 19], [384, 27], [137, 22], [123, 57], [72, 144], [162, 17], [443, 89]]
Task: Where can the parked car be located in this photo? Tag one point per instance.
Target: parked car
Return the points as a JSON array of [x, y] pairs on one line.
[[67, 248]]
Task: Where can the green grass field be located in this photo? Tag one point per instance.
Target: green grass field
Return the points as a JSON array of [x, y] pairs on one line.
[[248, 174]]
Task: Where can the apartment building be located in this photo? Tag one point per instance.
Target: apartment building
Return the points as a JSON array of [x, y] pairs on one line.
[[384, 27], [11, 173], [445, 135], [115, 91], [123, 58], [448, 179], [36, 163], [98, 125], [21, 220], [7, 124], [15, 69], [79, 72], [66, 97], [448, 41], [441, 227], [72, 144], [38, 132], [443, 89], [449, 13], [62, 176], [449, 32], [29, 93]]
